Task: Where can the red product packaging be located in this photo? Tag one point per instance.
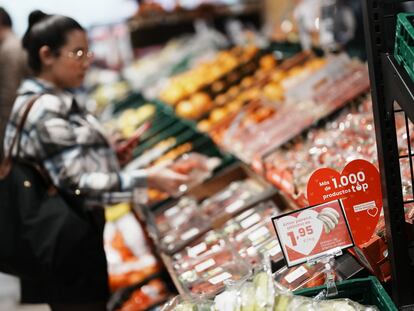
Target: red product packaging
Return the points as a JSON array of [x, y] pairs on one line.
[[374, 256]]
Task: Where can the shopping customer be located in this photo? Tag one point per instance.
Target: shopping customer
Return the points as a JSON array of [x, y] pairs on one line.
[[60, 136], [12, 69]]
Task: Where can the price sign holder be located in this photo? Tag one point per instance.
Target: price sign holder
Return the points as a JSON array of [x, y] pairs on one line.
[[315, 234], [328, 259]]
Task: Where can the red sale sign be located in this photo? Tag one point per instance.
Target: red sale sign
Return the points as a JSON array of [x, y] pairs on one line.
[[312, 232], [358, 187]]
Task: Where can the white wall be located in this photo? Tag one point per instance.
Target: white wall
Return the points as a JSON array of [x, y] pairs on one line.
[[87, 12]]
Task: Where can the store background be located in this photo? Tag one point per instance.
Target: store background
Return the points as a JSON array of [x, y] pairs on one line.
[[112, 11]]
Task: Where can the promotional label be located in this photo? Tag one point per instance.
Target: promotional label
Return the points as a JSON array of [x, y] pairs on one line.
[[293, 276], [311, 232], [250, 221], [205, 265], [189, 234], [220, 278], [235, 206], [198, 249], [359, 189]]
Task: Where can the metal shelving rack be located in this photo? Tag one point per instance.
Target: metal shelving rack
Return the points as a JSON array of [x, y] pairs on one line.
[[391, 84]]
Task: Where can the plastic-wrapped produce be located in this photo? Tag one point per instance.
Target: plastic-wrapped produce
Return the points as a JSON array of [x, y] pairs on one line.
[[261, 293]]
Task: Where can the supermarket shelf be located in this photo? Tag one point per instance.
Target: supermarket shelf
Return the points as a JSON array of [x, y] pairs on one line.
[[159, 28], [398, 85], [180, 16]]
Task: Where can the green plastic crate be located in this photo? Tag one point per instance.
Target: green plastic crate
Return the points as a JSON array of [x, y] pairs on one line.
[[366, 291], [404, 42]]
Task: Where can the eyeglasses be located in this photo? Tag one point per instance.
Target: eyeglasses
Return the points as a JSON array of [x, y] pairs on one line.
[[79, 55]]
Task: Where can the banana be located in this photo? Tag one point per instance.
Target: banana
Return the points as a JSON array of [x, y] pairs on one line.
[[331, 210], [331, 216], [327, 221], [326, 227]]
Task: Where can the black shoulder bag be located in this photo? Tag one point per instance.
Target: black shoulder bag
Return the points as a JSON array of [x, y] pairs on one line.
[[43, 232]]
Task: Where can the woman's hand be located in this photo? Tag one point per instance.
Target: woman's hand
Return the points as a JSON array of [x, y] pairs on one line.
[[165, 179]]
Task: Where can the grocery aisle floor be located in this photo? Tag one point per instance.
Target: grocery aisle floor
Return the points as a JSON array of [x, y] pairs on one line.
[[9, 296]]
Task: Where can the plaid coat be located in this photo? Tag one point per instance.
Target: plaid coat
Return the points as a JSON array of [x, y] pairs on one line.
[[70, 144]]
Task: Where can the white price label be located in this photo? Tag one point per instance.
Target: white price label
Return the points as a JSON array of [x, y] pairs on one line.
[[216, 248], [293, 276], [245, 233], [250, 221], [220, 278], [244, 214], [205, 265], [262, 231], [189, 234], [235, 206], [275, 250], [172, 211], [198, 249]]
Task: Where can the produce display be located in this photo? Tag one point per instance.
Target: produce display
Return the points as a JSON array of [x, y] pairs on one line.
[[166, 142], [262, 94], [330, 146], [130, 119], [231, 94], [348, 137], [222, 254], [260, 292], [185, 84], [299, 113], [246, 242], [181, 222], [148, 73], [130, 259], [206, 275], [283, 117]]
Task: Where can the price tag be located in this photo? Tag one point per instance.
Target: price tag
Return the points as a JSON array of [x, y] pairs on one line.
[[189, 234], [293, 276], [205, 265], [196, 250], [312, 232], [250, 221], [172, 211], [244, 215], [275, 250], [235, 206], [220, 278], [358, 187], [262, 231]]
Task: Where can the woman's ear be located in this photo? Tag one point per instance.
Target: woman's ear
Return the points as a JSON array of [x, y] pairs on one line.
[[47, 57]]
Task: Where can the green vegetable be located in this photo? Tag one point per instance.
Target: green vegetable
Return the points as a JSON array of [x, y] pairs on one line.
[[248, 297], [281, 302]]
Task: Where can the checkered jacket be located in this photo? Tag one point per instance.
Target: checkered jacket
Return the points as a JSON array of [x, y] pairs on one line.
[[70, 144]]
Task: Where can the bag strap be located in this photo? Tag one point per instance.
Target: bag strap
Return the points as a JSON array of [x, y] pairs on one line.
[[6, 164]]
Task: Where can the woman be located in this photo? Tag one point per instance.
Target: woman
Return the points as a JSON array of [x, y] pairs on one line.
[[69, 143]]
